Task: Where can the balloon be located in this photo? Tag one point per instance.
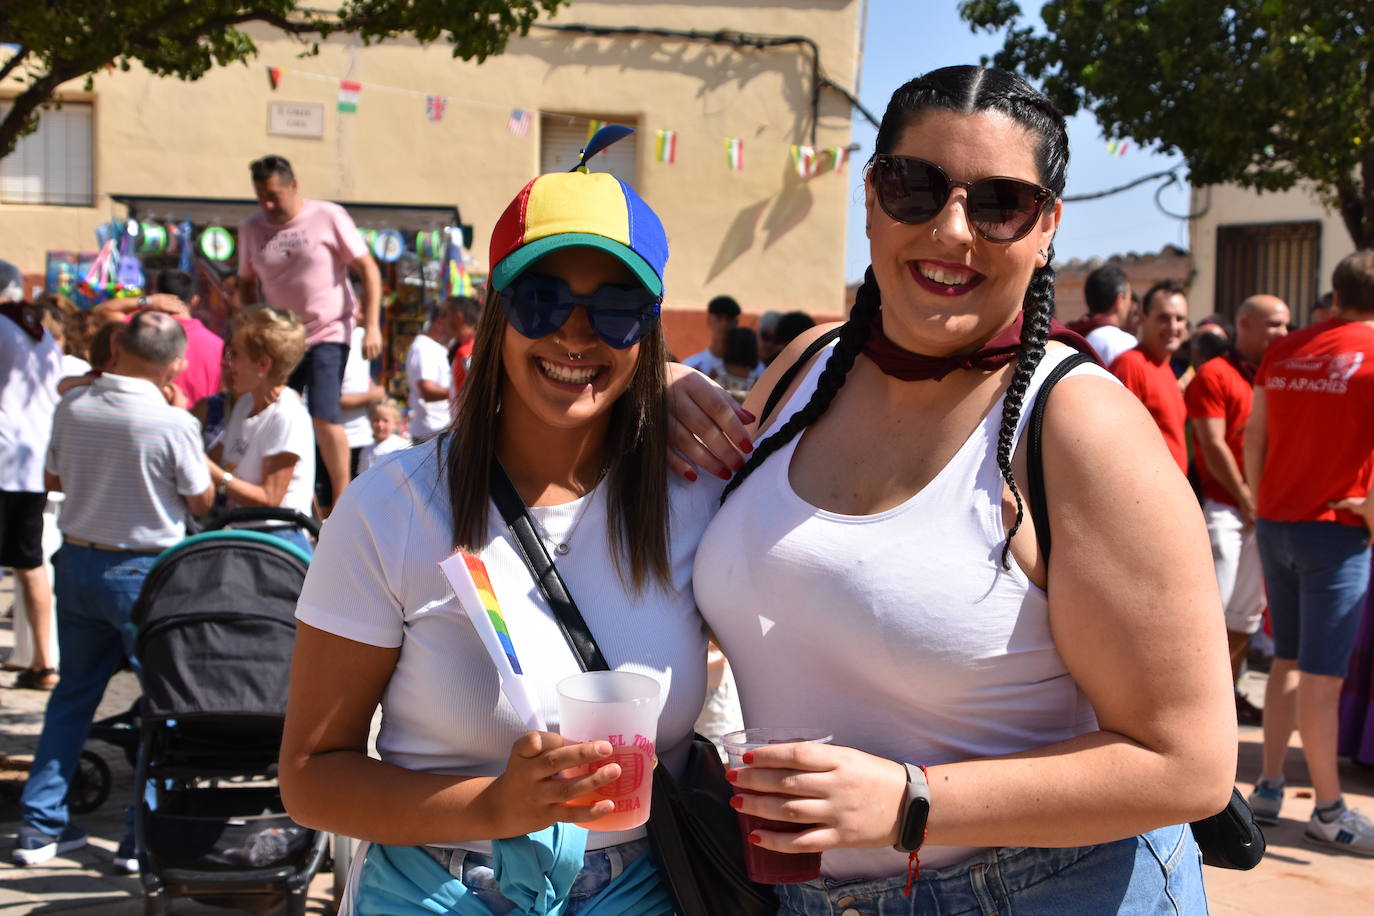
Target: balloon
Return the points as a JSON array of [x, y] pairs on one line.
[[217, 244]]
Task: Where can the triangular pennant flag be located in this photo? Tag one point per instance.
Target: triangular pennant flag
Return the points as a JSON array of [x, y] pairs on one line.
[[804, 160], [734, 153], [274, 77], [1125, 145], [434, 107], [1111, 148], [666, 148], [839, 156], [348, 96]]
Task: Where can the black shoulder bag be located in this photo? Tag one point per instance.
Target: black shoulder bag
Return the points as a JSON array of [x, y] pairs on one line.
[[1230, 838], [692, 828]]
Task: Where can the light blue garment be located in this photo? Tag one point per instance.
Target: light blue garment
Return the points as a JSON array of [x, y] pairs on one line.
[[535, 873]]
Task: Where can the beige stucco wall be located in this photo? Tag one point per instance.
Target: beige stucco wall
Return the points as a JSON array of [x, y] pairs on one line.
[[1230, 205], [762, 235]]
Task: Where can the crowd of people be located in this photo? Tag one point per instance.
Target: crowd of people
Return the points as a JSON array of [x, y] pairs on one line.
[[876, 566]]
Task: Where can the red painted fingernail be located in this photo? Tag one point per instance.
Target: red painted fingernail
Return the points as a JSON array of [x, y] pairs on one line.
[[744, 415], [731, 775], [746, 446], [754, 838], [736, 802], [724, 475], [691, 475], [748, 758]]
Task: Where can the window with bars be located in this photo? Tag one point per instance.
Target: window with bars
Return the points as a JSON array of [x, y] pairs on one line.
[[562, 137], [1281, 259], [54, 164]]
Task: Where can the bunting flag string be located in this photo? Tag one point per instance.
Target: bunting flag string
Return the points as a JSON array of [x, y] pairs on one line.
[[734, 153], [519, 122], [1118, 149], [666, 148], [839, 157], [434, 107], [349, 92], [804, 160], [274, 77]]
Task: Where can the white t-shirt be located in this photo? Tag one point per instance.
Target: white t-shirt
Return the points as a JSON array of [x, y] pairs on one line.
[[375, 450], [427, 360], [29, 373], [357, 379], [1110, 342], [74, 365], [705, 362], [282, 426], [375, 579]]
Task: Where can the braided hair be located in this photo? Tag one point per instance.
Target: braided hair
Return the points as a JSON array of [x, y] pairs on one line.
[[964, 90]]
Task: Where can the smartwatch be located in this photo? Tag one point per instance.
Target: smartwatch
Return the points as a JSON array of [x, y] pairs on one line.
[[911, 828], [223, 487]]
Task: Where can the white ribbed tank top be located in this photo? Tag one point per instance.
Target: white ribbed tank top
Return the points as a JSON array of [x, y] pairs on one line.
[[899, 632]]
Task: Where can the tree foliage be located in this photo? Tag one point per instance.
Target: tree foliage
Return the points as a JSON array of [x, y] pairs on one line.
[[1262, 93], [62, 40]]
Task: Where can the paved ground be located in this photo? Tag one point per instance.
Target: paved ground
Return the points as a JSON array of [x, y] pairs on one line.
[[1293, 879]]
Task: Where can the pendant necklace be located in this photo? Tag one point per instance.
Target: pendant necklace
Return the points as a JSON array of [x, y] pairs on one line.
[[564, 547]]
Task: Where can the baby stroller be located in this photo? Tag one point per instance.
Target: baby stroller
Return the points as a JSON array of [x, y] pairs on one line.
[[215, 629]]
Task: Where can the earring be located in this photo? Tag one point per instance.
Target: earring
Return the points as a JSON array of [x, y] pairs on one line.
[[935, 233], [1044, 254]]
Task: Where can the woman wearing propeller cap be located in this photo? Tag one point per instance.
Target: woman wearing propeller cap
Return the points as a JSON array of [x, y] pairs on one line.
[[566, 392]]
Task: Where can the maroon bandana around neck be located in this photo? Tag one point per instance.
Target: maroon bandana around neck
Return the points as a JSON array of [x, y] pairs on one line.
[[996, 353]]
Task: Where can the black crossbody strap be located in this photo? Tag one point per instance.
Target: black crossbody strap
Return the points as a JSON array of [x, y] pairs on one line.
[[531, 548], [816, 346], [1035, 458]]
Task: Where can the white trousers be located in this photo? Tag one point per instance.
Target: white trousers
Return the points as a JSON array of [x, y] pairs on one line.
[[1235, 557]]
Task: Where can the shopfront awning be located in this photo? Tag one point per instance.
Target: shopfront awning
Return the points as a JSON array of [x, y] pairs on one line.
[[230, 211]]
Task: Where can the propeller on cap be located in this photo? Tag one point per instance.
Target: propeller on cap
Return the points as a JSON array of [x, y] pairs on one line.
[[599, 141]]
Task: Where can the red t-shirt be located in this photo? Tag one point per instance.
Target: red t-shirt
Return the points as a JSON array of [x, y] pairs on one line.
[[1219, 390], [461, 355], [1319, 396], [1158, 390]]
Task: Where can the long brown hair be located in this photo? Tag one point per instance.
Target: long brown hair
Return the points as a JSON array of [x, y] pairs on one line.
[[636, 451]]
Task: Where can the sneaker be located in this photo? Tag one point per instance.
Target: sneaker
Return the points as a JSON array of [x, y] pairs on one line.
[[126, 857], [33, 846], [1350, 831], [1266, 802]]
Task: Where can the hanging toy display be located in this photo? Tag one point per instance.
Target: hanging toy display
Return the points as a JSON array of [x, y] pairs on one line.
[[369, 238], [153, 239], [129, 278], [217, 244], [185, 246], [389, 246], [430, 245], [454, 278]]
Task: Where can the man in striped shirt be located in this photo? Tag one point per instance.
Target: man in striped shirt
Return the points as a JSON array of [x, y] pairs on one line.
[[133, 468]]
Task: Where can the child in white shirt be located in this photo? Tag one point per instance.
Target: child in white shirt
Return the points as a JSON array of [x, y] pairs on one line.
[[385, 417]]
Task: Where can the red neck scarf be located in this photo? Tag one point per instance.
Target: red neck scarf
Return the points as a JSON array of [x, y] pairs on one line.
[[996, 353]]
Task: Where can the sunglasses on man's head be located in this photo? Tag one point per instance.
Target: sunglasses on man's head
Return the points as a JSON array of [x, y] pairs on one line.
[[537, 305], [912, 190]]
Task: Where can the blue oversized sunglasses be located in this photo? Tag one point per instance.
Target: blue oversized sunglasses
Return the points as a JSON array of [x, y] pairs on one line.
[[537, 305]]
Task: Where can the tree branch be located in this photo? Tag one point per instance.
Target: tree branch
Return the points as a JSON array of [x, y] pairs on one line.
[[13, 62], [27, 102]]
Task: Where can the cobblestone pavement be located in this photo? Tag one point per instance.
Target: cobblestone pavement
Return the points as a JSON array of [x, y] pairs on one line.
[[1293, 879]]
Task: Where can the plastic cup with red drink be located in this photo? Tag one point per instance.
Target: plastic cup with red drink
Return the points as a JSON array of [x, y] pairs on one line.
[[767, 866]]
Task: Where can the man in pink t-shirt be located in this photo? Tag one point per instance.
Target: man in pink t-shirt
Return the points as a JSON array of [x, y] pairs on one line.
[[299, 251]]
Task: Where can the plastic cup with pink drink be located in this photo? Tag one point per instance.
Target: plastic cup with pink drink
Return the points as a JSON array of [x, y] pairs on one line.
[[767, 866], [622, 708]]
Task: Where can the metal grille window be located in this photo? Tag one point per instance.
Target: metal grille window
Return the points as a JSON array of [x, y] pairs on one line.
[[561, 138], [1281, 259], [54, 164]]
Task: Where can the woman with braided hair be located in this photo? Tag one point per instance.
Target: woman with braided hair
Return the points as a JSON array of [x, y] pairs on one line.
[[1031, 734]]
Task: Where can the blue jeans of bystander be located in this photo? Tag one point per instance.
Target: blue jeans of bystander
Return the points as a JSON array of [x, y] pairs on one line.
[[96, 591]]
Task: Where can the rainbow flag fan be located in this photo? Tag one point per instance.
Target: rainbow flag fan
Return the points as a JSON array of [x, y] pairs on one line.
[[473, 589]]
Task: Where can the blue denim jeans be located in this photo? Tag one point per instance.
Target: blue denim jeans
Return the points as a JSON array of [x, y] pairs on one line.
[[1316, 575], [1159, 872], [600, 867], [96, 591]]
